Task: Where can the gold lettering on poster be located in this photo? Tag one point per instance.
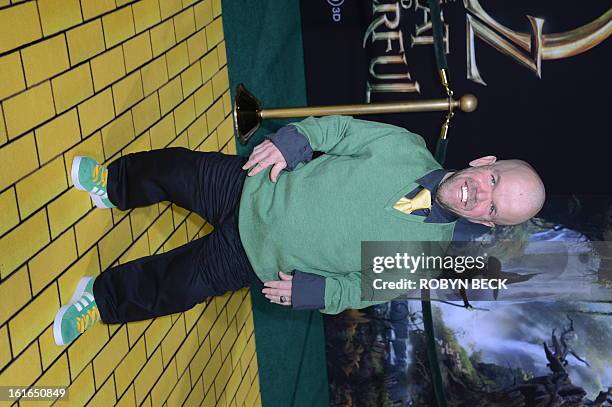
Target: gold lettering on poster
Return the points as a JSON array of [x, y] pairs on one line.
[[529, 49], [392, 87], [383, 19], [384, 27], [388, 59]]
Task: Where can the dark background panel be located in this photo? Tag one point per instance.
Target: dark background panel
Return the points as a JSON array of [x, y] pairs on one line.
[[556, 122]]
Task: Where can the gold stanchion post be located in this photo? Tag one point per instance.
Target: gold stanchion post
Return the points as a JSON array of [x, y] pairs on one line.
[[248, 112]]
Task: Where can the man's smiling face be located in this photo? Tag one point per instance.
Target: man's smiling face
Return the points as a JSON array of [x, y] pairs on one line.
[[493, 192]]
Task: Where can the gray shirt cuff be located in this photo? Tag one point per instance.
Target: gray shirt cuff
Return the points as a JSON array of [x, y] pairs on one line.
[[294, 147], [307, 291]]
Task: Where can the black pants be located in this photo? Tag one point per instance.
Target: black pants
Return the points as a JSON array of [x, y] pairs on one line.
[[209, 184]]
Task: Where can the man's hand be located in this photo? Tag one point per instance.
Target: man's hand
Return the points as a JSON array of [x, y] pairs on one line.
[[279, 292], [264, 155]]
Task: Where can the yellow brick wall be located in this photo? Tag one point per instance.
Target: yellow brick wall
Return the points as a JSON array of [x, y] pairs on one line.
[[105, 78]]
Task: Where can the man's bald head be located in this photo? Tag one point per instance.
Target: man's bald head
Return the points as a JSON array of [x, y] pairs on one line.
[[506, 192]]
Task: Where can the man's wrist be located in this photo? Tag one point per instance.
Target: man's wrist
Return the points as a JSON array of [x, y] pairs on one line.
[[294, 147], [307, 291]]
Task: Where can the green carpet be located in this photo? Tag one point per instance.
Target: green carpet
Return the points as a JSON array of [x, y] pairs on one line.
[[264, 51]]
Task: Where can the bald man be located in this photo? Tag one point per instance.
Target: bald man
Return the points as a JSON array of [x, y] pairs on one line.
[[493, 192], [294, 223]]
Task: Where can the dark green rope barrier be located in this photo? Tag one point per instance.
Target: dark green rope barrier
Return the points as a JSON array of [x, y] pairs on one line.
[[440, 156], [436, 22]]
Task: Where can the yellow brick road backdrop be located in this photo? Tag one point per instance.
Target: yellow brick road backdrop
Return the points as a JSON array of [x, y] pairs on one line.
[[105, 78]]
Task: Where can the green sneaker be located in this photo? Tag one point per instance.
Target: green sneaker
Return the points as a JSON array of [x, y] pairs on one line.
[[77, 316], [88, 175]]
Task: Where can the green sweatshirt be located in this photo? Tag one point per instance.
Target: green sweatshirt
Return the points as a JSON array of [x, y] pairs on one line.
[[314, 218]]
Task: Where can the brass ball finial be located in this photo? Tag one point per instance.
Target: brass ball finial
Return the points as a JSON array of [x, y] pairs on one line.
[[468, 103]]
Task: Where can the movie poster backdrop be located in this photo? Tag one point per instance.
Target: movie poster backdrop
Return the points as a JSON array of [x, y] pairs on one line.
[[540, 71]]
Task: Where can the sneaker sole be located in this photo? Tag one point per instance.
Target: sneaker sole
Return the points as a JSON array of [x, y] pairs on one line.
[[97, 200], [74, 172], [57, 325]]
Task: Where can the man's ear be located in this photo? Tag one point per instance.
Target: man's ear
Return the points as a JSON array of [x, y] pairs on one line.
[[482, 222], [486, 160]]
